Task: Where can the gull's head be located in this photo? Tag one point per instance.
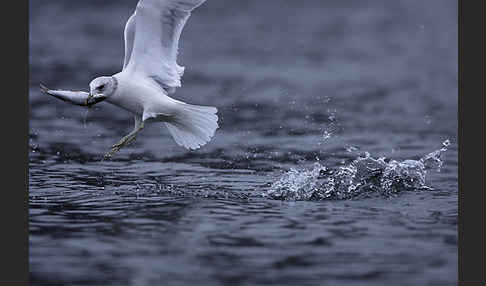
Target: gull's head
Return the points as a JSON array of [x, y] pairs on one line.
[[102, 87]]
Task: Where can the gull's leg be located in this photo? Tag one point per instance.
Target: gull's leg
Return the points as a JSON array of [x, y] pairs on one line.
[[126, 139]]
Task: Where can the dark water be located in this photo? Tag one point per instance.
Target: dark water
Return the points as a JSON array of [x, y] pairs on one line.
[[304, 89]]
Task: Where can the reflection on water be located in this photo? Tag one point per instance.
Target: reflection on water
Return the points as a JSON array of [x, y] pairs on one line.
[[323, 170]]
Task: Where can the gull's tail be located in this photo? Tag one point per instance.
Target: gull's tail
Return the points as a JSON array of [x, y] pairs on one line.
[[194, 126]]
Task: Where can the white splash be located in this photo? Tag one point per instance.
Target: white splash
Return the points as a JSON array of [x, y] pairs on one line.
[[365, 176]]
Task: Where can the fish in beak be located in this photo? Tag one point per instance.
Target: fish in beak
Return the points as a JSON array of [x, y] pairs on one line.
[[79, 98], [94, 98]]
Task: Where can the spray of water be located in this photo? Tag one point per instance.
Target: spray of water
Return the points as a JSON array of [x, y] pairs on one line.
[[331, 129], [365, 176]]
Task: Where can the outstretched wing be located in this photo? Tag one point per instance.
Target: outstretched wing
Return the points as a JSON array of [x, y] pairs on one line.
[[129, 37], [156, 27]]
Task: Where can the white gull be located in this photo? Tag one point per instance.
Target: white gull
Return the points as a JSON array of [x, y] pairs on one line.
[[150, 73]]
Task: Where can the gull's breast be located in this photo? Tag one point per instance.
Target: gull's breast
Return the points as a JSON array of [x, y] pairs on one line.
[[133, 95]]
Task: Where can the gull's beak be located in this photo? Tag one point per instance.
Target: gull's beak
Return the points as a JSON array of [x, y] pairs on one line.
[[94, 98]]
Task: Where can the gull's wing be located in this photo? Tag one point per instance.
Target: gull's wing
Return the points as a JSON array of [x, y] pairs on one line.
[[156, 27], [129, 37]]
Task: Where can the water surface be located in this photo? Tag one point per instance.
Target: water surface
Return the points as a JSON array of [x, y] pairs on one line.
[[296, 85]]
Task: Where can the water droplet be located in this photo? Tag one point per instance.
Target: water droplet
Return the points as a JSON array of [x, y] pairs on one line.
[[351, 149]]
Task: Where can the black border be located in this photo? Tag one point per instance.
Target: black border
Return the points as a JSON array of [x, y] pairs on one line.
[[15, 45]]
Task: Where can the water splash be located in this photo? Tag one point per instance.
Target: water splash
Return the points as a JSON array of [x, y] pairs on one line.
[[351, 149], [365, 176], [331, 129], [296, 184], [434, 159]]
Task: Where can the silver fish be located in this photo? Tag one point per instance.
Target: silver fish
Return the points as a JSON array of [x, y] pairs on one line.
[[80, 98]]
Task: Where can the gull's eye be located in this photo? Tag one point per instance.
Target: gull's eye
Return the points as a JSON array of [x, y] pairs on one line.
[[101, 86]]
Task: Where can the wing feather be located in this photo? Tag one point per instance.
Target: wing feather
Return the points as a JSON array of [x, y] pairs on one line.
[[129, 37], [158, 25]]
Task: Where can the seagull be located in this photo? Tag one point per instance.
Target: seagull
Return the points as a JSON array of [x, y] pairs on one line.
[[150, 74]]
